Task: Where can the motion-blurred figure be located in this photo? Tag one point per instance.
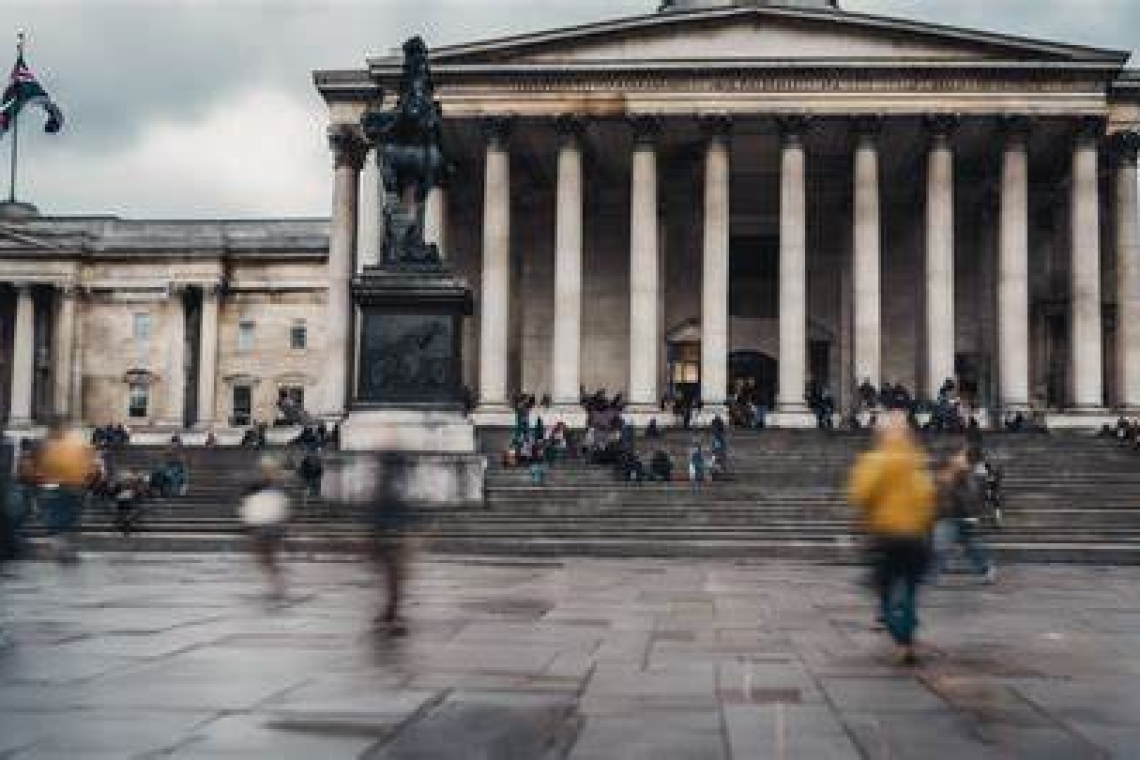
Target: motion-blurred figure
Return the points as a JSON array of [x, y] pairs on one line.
[[963, 490], [64, 466], [265, 512], [389, 518], [892, 486]]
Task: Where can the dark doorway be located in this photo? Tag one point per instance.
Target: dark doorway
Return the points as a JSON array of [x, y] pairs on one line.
[[819, 364], [754, 373]]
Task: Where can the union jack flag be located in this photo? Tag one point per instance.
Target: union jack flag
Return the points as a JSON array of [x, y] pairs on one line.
[[23, 90]]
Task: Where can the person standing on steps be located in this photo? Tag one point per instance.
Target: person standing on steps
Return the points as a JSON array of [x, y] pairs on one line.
[[893, 489]]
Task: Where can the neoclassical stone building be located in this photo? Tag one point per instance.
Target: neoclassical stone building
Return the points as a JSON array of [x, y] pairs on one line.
[[711, 194]]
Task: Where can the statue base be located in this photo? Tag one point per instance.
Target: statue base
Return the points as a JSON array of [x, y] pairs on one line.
[[409, 390]]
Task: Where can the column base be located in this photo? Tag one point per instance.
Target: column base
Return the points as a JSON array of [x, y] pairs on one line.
[[570, 414], [1081, 418], [792, 417], [21, 423], [494, 414], [639, 415]]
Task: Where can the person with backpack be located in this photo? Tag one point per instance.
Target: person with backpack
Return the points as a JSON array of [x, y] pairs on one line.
[[963, 502]]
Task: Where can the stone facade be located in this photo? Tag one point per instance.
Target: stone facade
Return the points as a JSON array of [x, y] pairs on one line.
[[716, 193], [155, 309]]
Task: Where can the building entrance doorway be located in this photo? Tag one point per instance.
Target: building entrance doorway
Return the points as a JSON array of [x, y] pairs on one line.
[[753, 374]]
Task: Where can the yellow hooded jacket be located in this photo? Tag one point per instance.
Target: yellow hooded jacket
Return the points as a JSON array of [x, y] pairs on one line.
[[894, 490]]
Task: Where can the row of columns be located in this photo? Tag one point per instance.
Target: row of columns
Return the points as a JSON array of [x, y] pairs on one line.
[[1013, 266], [68, 365], [645, 278]]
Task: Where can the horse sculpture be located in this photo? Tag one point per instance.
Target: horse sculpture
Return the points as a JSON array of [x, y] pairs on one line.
[[409, 144]]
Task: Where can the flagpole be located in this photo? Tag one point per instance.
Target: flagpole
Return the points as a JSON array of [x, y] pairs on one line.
[[15, 130], [14, 156]]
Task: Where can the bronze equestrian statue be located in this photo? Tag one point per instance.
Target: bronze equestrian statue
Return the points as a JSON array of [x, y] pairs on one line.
[[409, 144]]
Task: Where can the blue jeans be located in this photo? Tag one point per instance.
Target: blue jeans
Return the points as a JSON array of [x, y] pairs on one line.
[[957, 531], [899, 567]]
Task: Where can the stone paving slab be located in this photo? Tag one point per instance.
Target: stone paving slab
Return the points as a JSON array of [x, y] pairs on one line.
[[183, 657]]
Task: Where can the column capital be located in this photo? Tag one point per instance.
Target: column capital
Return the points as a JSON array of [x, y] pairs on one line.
[[1125, 146], [348, 146], [1089, 129], [23, 288], [716, 126], [1015, 128], [646, 128], [571, 127], [71, 290], [867, 128], [497, 130], [941, 126], [793, 127]]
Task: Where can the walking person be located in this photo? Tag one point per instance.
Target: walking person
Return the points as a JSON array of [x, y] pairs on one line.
[[8, 541], [892, 487], [265, 512], [64, 466], [389, 518], [963, 496]]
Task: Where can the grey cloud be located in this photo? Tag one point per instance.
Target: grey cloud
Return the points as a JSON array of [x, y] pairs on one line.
[[135, 76]]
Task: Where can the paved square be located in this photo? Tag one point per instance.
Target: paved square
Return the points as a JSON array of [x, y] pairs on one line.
[[181, 657]]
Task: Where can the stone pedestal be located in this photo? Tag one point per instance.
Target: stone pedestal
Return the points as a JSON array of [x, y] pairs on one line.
[[409, 392]]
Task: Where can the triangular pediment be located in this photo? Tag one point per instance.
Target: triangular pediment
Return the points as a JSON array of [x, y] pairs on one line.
[[762, 34]]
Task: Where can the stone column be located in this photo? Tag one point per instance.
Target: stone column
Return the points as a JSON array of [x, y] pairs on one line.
[[208, 358], [644, 268], [866, 263], [793, 270], [1085, 332], [75, 403], [174, 378], [714, 279], [1127, 219], [63, 351], [495, 303], [348, 155], [565, 364], [1013, 269], [939, 254], [23, 358], [435, 219], [370, 203]]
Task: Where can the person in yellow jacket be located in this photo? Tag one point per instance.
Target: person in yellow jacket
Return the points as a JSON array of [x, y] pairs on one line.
[[892, 487], [64, 466]]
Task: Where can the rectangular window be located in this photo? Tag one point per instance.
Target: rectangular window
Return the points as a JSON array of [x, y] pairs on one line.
[[299, 336], [142, 326], [242, 405], [245, 336], [139, 401]]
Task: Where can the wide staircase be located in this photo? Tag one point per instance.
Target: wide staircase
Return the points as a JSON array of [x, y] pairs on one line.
[[1069, 498]]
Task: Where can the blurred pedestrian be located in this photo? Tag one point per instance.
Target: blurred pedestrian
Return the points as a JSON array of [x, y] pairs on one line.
[[265, 512], [894, 490], [8, 543], [963, 500], [64, 466], [389, 521]]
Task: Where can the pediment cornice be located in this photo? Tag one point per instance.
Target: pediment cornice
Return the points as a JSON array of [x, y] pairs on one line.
[[975, 44]]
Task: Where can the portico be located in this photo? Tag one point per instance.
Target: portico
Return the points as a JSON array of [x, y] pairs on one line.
[[846, 196]]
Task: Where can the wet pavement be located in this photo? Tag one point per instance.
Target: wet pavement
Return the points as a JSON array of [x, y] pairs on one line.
[[182, 657]]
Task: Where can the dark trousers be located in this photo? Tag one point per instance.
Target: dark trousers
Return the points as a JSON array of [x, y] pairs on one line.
[[899, 567]]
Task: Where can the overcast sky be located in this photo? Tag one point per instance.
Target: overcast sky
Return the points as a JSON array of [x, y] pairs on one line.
[[206, 108]]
